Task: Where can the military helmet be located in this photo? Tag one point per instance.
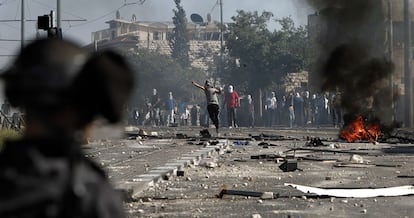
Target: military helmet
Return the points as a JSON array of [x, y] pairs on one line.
[[49, 74]]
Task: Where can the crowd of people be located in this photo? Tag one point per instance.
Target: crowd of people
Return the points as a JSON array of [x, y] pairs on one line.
[[304, 110], [294, 109]]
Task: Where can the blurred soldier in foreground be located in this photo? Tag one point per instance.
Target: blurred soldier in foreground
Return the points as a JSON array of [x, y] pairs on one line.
[[62, 89]]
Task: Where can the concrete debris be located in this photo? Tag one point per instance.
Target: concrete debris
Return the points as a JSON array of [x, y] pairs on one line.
[[356, 159], [208, 162], [336, 145], [289, 165], [256, 215], [267, 195]]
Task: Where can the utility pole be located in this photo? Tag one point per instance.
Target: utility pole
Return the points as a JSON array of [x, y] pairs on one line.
[[407, 69], [220, 68], [221, 27], [22, 25], [58, 17], [390, 56]]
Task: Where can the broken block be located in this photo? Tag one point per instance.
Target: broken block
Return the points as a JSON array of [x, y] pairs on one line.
[[289, 165]]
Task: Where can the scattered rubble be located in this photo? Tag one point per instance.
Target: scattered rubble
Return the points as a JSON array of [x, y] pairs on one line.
[[315, 142], [208, 162], [246, 168], [289, 165], [356, 159]]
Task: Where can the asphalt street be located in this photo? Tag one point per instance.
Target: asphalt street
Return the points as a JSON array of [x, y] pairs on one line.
[[174, 172]]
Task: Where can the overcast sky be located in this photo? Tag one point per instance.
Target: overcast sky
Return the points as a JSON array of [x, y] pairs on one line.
[[97, 12]]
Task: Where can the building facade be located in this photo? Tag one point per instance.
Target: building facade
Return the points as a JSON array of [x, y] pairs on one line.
[[130, 34]]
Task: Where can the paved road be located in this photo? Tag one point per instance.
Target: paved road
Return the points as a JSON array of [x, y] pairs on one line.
[[146, 170]]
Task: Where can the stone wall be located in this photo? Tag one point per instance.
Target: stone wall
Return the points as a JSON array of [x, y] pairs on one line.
[[296, 81], [198, 56]]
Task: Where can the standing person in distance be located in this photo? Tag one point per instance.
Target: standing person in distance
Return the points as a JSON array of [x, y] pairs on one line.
[[155, 108], [232, 102], [250, 111], [170, 109], [212, 101]]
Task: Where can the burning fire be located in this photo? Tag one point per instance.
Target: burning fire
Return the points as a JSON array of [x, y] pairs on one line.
[[358, 130]]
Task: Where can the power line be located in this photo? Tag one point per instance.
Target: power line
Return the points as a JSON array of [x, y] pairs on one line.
[[66, 12], [31, 20], [134, 3], [111, 12], [6, 2], [9, 40], [81, 18], [98, 18], [11, 26], [214, 6]]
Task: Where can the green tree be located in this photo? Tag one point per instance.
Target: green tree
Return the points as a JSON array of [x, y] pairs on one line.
[[154, 70], [258, 58], [247, 42], [179, 39]]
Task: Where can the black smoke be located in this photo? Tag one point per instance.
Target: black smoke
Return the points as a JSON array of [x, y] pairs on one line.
[[353, 54]]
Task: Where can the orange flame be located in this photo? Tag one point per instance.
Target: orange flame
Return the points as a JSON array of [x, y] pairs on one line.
[[357, 130]]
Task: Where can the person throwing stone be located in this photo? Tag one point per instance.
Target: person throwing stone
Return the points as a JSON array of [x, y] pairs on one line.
[[212, 101]]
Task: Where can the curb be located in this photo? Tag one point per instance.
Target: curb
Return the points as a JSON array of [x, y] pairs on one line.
[[132, 189]]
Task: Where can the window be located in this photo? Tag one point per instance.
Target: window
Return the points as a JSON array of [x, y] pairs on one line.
[[156, 35]]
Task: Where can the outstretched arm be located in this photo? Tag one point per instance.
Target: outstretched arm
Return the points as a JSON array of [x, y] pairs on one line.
[[219, 90], [197, 85]]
